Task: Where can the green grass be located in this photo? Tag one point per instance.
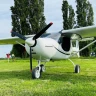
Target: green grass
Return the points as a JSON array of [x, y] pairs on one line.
[[58, 80]]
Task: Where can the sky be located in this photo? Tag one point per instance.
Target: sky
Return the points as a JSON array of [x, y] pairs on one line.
[[52, 12]]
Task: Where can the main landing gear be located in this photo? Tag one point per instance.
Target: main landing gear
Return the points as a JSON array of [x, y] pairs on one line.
[[76, 67], [36, 72]]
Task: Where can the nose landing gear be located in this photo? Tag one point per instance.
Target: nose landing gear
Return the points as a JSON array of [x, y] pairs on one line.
[[36, 72]]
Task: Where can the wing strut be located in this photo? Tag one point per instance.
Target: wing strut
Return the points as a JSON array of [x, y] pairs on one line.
[[85, 47]]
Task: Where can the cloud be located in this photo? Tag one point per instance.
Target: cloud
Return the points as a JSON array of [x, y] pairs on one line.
[[53, 14], [6, 27], [5, 18], [7, 2]]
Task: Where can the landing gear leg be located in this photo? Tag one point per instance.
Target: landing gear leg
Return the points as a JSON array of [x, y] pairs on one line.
[[36, 72], [42, 68], [76, 67]]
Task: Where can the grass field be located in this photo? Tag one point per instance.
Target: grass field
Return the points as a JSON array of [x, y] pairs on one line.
[[58, 80]]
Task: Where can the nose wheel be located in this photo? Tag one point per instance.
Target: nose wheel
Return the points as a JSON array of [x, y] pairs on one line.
[[36, 72]]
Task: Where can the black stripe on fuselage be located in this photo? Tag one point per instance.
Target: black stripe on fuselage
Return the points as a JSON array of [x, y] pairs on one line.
[[61, 51], [33, 52]]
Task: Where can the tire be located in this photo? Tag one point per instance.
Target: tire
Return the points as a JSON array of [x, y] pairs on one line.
[[42, 68], [36, 73], [77, 69]]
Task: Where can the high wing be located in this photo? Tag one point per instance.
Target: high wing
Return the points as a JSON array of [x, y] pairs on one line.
[[78, 33], [13, 40], [83, 32]]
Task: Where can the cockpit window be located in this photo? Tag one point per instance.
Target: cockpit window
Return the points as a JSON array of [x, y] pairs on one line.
[[54, 36], [74, 43], [60, 40]]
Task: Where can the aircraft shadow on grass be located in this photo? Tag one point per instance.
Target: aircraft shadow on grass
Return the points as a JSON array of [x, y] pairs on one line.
[[63, 76], [68, 76], [23, 74]]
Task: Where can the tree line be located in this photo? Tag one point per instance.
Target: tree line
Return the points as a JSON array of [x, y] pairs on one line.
[[28, 18]]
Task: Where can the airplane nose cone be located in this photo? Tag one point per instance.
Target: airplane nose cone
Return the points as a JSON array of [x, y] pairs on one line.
[[30, 41]]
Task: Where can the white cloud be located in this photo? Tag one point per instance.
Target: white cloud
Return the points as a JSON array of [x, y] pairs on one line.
[[9, 2], [5, 17], [53, 14]]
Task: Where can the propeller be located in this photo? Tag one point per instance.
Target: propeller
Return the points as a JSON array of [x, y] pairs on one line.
[[42, 31], [36, 36], [19, 35], [34, 40]]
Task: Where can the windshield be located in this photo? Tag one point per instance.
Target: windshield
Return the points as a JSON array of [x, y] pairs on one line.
[[54, 36]]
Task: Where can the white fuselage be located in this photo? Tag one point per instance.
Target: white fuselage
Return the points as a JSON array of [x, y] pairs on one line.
[[47, 48]]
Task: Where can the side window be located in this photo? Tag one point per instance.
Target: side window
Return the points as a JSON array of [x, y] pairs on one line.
[[66, 43], [60, 40], [73, 43]]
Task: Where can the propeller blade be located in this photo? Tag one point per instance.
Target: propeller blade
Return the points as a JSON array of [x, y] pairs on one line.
[[42, 31], [19, 35]]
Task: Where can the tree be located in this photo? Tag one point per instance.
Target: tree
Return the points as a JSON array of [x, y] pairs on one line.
[[84, 13], [18, 50], [90, 15], [84, 18], [68, 15], [27, 17]]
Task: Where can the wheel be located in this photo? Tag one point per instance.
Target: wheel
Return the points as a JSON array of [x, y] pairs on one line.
[[36, 73], [42, 68], [77, 69]]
